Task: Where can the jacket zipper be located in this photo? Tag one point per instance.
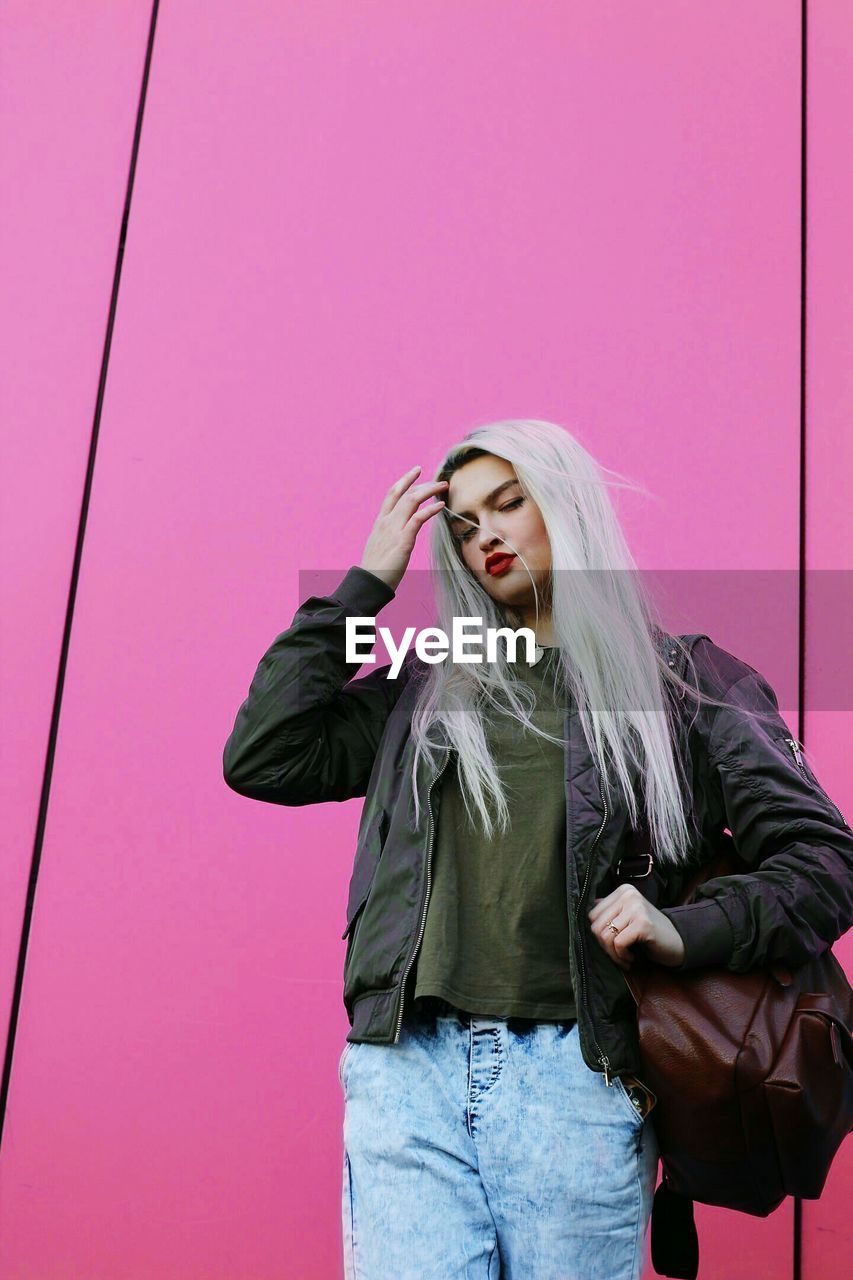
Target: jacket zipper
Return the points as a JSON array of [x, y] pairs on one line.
[[602, 1058], [414, 952], [795, 749]]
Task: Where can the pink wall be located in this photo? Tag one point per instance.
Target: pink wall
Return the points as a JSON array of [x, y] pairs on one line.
[[827, 1225], [354, 232]]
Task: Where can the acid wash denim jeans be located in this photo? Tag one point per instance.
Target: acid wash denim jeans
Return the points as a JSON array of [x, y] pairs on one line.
[[485, 1148]]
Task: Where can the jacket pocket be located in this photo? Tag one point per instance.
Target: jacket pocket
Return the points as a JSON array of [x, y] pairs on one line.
[[344, 1054], [791, 745]]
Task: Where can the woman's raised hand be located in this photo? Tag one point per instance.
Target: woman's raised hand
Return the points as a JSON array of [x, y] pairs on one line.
[[401, 517]]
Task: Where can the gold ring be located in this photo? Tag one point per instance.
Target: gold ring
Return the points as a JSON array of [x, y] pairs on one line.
[[613, 926]]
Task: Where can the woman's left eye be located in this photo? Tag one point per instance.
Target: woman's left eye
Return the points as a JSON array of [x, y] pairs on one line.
[[516, 502]]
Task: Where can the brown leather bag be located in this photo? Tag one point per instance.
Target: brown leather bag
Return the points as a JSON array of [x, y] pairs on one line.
[[753, 1074]]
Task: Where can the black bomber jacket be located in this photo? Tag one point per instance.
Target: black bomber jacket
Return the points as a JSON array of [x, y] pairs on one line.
[[310, 732]]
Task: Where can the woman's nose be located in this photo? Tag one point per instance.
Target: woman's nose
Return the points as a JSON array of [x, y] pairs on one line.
[[489, 539]]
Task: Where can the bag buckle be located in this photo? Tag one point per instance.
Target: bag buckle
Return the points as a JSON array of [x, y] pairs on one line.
[[640, 875]]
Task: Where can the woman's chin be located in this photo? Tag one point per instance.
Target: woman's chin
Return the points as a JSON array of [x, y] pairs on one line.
[[512, 595]]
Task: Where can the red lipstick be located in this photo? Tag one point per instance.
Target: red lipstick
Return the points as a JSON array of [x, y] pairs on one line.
[[498, 562]]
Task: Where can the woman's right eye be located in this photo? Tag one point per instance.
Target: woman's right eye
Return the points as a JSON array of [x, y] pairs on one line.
[[510, 506]]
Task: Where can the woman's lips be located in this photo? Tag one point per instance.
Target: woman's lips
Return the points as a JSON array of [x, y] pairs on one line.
[[500, 566]]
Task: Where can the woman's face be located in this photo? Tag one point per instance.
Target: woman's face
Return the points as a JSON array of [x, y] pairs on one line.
[[507, 514]]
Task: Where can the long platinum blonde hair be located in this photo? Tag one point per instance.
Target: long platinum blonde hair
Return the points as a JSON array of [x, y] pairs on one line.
[[610, 662]]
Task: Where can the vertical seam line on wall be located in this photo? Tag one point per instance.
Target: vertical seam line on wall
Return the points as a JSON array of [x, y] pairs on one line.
[[56, 708], [797, 1241]]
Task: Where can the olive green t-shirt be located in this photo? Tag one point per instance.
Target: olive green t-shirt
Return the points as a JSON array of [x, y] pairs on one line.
[[496, 937]]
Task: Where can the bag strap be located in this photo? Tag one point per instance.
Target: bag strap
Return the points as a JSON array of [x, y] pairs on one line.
[[638, 864], [674, 1239]]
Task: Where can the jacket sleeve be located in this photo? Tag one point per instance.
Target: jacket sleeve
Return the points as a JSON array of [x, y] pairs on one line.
[[303, 735], [797, 898]]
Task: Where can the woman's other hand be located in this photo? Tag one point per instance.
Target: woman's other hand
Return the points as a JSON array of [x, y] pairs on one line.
[[392, 538], [637, 921]]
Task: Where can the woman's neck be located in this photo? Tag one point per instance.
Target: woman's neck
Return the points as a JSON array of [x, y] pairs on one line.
[[542, 628]]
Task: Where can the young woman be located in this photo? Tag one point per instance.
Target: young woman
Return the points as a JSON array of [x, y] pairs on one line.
[[496, 1122]]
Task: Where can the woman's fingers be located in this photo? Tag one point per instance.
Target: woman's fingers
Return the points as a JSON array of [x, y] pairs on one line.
[[614, 902], [623, 908], [409, 501], [409, 506], [396, 489], [392, 538], [423, 513], [402, 492]]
